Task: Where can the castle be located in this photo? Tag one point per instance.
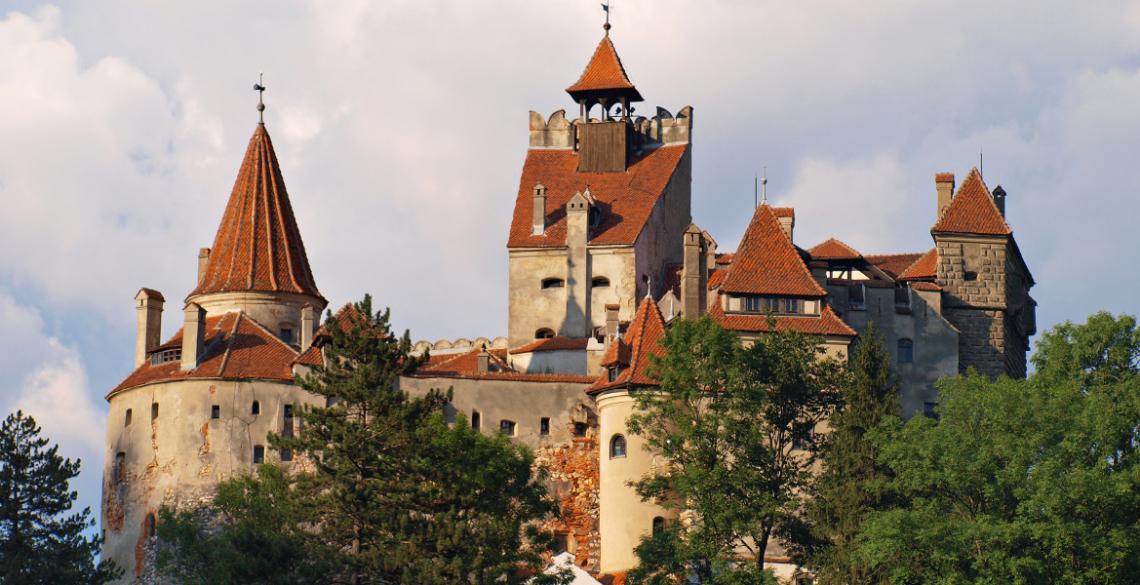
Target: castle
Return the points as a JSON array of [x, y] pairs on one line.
[[603, 254]]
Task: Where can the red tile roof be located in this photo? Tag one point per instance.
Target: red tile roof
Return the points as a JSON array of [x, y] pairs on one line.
[[258, 246], [237, 348], [833, 249], [552, 344], [925, 267], [785, 212], [893, 264], [827, 323], [625, 199], [604, 72], [767, 263], [926, 286], [972, 211], [643, 340], [466, 366]]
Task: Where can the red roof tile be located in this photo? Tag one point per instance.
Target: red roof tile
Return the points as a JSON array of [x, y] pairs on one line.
[[552, 344], [833, 249], [604, 72], [624, 198], [972, 211], [785, 212], [767, 263], [827, 323], [258, 246], [893, 264], [925, 267], [926, 286], [644, 340], [237, 347], [724, 259]]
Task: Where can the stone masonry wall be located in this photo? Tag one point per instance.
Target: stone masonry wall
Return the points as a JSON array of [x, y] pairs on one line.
[[973, 274]]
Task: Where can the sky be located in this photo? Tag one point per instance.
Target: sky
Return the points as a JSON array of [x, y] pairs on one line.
[[401, 127]]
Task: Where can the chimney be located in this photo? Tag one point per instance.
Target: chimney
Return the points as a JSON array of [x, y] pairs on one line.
[[788, 224], [307, 326], [483, 360], [944, 184], [193, 336], [539, 213], [819, 272], [148, 305], [694, 274], [999, 199], [203, 262]]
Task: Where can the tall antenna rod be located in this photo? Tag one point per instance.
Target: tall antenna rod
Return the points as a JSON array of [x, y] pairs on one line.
[[755, 191], [981, 163]]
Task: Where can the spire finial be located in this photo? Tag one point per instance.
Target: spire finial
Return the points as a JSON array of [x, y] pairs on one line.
[[259, 87], [606, 9], [764, 186]]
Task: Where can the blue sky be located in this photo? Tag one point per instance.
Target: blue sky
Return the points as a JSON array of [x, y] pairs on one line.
[[401, 127]]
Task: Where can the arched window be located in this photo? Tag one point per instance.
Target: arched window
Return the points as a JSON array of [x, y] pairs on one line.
[[906, 351], [617, 447], [553, 283], [255, 408], [544, 333], [658, 525], [127, 418], [600, 282]]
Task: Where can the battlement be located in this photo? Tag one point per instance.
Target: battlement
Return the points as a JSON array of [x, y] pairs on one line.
[[461, 345], [662, 129]]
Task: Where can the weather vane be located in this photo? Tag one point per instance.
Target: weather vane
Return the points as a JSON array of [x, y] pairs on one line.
[[259, 87], [606, 9]]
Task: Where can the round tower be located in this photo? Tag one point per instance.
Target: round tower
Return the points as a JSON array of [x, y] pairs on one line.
[[624, 518], [198, 408]]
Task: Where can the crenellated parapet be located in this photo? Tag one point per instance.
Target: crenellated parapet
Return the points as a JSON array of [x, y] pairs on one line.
[[461, 345], [662, 129], [554, 132], [665, 128]]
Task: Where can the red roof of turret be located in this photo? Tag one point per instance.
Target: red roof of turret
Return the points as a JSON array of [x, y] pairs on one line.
[[258, 246], [767, 263], [641, 340], [972, 211], [604, 72], [926, 266]]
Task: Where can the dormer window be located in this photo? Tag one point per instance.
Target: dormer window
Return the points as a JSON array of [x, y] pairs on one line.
[[613, 372], [553, 283], [600, 282]]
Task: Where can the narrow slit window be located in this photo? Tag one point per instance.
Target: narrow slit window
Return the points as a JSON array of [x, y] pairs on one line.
[[553, 283], [476, 420], [153, 410], [906, 351], [255, 408], [151, 526], [258, 454], [127, 418], [600, 282], [215, 412], [544, 426]]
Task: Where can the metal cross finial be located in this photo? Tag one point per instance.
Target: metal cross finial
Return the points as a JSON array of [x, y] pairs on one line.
[[764, 185], [606, 9], [259, 87]]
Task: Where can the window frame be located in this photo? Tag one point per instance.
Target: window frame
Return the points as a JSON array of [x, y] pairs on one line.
[[904, 349], [599, 282], [552, 282], [617, 440], [508, 427]]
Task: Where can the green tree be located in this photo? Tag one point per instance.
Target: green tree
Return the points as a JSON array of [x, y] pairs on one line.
[[41, 540], [1021, 481], [854, 479], [736, 428]]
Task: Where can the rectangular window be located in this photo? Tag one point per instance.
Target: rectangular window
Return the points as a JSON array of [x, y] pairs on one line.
[[753, 304], [855, 296], [153, 410], [286, 454], [215, 412], [507, 427], [287, 427], [287, 335], [791, 306], [579, 429], [544, 426], [476, 420], [127, 419], [258, 454]]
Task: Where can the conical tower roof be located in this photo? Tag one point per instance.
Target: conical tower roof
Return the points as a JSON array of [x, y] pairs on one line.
[[766, 263], [633, 351], [972, 211], [258, 246], [604, 76]]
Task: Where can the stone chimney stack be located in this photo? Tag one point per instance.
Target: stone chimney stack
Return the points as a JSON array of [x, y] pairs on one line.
[[308, 326], [203, 262], [611, 322], [539, 213], [694, 273], [999, 199], [193, 336], [788, 224], [148, 305], [577, 321], [483, 361], [944, 184]]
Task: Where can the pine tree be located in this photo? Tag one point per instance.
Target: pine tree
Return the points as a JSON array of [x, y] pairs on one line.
[[854, 480], [40, 541]]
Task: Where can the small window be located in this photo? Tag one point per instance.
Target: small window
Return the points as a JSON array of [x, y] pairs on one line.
[[215, 412], [791, 306], [286, 454], [970, 276], [476, 420], [507, 427], [544, 426], [561, 542], [930, 410], [612, 373], [287, 426], [288, 411], [287, 335], [658, 525], [153, 410], [579, 429], [255, 408], [906, 351], [543, 333], [553, 283], [753, 304], [856, 294], [258, 454], [617, 447], [600, 282], [151, 526], [127, 418]]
